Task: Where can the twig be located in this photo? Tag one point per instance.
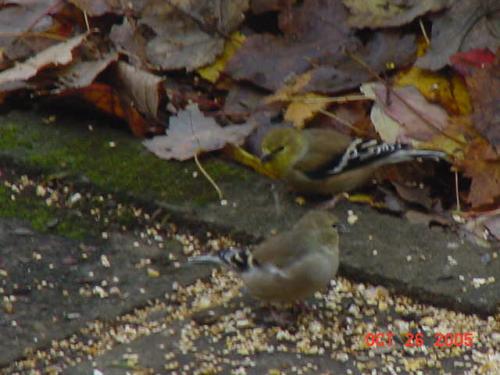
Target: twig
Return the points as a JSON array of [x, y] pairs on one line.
[[456, 191], [87, 24], [343, 122], [35, 21], [424, 32], [207, 176], [337, 118], [338, 99], [198, 164], [33, 34]]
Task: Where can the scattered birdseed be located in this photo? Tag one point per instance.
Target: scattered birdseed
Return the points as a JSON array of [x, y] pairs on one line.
[[221, 330], [352, 218]]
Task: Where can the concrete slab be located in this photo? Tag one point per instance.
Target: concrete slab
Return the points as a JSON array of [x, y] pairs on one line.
[[52, 286], [435, 266]]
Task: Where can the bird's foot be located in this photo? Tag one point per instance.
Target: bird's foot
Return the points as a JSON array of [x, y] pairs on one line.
[[330, 204], [285, 316]]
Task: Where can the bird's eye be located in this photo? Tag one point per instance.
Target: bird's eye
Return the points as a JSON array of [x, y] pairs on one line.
[[269, 156], [278, 149]]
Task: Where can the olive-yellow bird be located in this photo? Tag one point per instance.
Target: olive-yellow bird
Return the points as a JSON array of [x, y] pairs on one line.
[[325, 161]]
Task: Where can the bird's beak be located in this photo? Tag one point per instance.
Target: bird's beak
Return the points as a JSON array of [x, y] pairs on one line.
[[265, 158]]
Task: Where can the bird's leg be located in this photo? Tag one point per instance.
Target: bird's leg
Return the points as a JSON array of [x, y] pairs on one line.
[[279, 314], [331, 203], [301, 307]]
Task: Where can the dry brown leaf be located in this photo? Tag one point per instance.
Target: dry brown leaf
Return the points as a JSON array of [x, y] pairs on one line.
[[129, 40], [144, 88], [106, 99], [56, 55], [484, 88], [317, 29], [414, 119], [191, 33], [262, 6], [482, 165], [467, 24], [17, 19], [82, 73], [97, 8], [448, 90], [386, 50], [383, 13], [191, 132]]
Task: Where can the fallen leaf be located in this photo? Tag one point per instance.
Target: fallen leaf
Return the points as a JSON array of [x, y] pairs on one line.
[[143, 88], [178, 34], [418, 119], [189, 34], [484, 88], [467, 62], [415, 194], [387, 128], [287, 92], [130, 41], [212, 72], [106, 99], [453, 141], [19, 17], [493, 225], [191, 133], [318, 29], [262, 6], [386, 50], [467, 24], [82, 73], [383, 13], [99, 8], [301, 107], [417, 217], [56, 55], [305, 107], [241, 101], [447, 90], [482, 165]]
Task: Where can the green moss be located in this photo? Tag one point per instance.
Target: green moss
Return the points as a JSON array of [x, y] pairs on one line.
[[128, 167], [43, 218]]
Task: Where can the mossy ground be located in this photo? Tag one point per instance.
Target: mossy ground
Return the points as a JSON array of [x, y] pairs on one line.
[[27, 206], [110, 159]]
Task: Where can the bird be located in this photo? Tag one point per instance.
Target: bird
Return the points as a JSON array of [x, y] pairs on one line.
[[326, 162], [290, 266]]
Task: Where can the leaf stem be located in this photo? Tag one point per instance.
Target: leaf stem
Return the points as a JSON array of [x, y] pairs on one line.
[[207, 176]]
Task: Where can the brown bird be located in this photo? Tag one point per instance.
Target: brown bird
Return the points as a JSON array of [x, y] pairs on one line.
[[290, 266]]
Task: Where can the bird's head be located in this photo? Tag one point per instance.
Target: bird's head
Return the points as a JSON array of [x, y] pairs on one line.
[[282, 148], [318, 219], [323, 224]]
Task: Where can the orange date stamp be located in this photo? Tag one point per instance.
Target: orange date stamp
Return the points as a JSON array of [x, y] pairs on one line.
[[416, 339]]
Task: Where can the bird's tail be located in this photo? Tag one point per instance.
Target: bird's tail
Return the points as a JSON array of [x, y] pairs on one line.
[[374, 153], [406, 154], [237, 259]]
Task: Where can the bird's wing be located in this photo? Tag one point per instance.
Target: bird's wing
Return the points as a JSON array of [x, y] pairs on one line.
[[374, 153], [239, 260], [284, 248], [323, 147], [359, 152]]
